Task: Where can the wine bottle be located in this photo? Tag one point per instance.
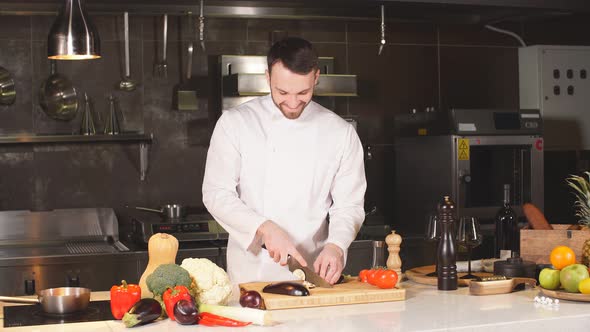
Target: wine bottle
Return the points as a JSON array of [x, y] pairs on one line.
[[506, 228]]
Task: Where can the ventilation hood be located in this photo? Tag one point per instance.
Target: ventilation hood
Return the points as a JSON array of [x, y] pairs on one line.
[[245, 76]]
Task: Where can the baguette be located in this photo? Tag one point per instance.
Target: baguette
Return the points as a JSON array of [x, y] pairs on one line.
[[535, 217]]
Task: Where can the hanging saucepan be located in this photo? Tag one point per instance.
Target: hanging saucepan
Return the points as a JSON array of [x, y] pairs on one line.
[[62, 300], [168, 211], [7, 91], [58, 97]]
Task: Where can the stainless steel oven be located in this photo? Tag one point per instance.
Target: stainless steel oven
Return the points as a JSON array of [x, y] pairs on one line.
[[481, 151], [492, 162]]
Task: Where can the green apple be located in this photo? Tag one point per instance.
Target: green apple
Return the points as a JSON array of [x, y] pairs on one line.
[[571, 275], [549, 278]]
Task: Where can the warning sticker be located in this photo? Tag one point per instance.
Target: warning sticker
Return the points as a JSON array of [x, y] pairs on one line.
[[463, 149]]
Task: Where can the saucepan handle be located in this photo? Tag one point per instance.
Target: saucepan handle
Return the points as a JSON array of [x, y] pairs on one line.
[[18, 299], [148, 209]]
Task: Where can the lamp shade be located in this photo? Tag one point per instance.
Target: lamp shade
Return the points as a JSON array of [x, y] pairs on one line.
[[73, 36]]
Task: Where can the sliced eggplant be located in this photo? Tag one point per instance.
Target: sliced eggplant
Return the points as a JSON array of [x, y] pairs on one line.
[[299, 274], [286, 288], [142, 312]]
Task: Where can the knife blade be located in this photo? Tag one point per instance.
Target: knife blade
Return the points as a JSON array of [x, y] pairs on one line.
[[310, 275]]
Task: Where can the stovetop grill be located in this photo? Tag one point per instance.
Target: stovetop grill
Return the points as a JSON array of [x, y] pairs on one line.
[[65, 232]]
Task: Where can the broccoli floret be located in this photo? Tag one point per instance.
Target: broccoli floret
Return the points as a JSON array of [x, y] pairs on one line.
[[167, 276]]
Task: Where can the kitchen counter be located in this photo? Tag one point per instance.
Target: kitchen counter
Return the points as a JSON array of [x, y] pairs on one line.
[[425, 308]]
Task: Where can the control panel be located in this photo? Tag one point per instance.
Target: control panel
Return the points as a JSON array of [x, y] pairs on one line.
[[496, 122], [554, 79], [173, 228]]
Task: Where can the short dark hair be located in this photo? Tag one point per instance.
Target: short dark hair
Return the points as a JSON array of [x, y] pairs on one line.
[[297, 54]]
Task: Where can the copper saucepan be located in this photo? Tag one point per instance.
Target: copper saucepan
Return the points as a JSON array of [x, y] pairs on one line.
[[62, 300]]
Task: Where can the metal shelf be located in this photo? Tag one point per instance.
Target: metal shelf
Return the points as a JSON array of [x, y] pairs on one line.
[[56, 139], [144, 140]]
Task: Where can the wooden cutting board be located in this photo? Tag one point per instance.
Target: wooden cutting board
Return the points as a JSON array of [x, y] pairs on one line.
[[349, 292], [419, 275]]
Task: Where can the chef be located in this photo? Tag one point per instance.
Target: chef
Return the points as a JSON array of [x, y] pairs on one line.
[[284, 172]]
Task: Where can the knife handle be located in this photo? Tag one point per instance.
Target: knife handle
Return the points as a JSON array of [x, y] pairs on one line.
[[264, 247]]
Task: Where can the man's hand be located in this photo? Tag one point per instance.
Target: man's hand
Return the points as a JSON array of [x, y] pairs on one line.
[[330, 263], [278, 243]]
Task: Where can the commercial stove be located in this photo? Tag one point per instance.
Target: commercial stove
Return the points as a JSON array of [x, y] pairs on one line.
[[29, 315], [191, 229], [63, 232], [63, 247]]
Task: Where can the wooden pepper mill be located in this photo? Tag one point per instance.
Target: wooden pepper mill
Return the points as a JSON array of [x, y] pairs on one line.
[[447, 257], [394, 262]]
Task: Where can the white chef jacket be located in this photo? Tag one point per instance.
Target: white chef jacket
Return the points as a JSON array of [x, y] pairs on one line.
[[262, 166]]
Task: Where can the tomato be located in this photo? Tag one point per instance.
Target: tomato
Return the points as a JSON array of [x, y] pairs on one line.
[[386, 279], [562, 256], [363, 275], [373, 275]]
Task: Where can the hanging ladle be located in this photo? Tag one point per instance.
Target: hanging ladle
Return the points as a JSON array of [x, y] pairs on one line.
[[382, 44], [127, 84]]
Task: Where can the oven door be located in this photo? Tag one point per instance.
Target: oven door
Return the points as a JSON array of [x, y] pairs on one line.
[[485, 163]]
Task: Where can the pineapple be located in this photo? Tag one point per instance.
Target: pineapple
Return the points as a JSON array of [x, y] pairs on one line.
[[581, 188]]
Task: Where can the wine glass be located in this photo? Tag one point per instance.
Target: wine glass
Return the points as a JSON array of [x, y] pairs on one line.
[[433, 235], [469, 236]]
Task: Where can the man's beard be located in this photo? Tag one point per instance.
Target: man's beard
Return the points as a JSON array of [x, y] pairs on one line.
[[291, 115]]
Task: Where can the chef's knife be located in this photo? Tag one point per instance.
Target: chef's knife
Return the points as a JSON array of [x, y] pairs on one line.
[[310, 275]]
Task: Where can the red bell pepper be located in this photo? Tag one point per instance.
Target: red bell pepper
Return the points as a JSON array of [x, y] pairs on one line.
[[123, 297], [209, 319], [173, 295]]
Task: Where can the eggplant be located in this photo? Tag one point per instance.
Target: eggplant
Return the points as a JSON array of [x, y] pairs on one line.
[[142, 312], [185, 312], [251, 299], [286, 288]]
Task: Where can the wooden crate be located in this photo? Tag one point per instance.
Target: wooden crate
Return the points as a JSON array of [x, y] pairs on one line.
[[536, 245]]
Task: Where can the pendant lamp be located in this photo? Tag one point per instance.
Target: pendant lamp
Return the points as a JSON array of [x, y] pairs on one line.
[[73, 36]]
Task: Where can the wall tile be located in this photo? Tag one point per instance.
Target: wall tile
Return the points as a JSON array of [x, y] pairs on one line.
[[16, 182], [312, 30], [475, 34], [402, 78], [479, 77], [216, 29], [177, 172], [97, 175], [15, 27], [15, 57], [568, 30], [397, 33]]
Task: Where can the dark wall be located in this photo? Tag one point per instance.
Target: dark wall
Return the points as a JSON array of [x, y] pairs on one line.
[[422, 65]]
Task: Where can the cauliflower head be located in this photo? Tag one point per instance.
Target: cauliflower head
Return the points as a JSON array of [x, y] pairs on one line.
[[212, 282]]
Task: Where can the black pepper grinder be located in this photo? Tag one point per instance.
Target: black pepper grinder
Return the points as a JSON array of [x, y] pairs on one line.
[[447, 260]]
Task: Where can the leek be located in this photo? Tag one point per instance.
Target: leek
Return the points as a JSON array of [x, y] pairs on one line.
[[255, 316]]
